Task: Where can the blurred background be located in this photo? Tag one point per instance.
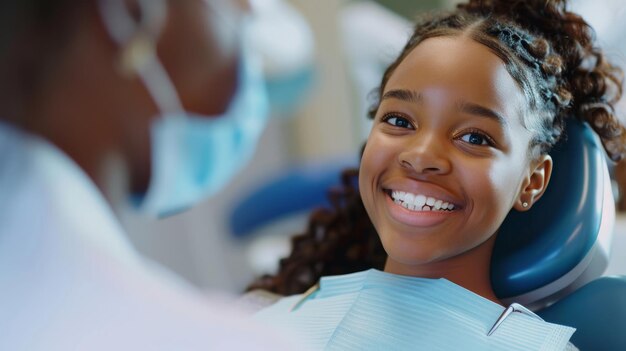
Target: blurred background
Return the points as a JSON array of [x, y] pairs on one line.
[[321, 60]]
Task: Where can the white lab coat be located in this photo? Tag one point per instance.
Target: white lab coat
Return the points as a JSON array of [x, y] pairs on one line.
[[70, 280]]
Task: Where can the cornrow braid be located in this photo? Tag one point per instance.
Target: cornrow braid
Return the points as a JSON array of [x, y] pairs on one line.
[[538, 70], [586, 77]]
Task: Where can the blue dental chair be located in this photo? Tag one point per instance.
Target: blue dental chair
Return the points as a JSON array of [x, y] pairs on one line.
[[549, 258]]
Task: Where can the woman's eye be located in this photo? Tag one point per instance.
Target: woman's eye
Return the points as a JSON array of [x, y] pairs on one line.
[[476, 139], [399, 122]]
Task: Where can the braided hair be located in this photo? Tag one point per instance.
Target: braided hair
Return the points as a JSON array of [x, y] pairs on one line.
[[547, 50]]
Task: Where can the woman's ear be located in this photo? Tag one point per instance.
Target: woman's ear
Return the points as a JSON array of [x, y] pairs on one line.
[[535, 184]]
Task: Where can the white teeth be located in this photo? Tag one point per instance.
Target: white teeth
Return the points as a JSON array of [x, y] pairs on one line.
[[430, 201], [409, 198], [438, 204], [419, 202], [398, 195]]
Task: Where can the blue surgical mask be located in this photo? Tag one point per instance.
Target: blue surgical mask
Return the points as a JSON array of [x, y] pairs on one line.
[[193, 156]]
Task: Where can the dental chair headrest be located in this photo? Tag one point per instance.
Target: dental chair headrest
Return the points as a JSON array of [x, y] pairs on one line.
[[563, 242]]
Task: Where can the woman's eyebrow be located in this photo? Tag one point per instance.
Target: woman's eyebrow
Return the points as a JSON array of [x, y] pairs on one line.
[[463, 106], [482, 111], [404, 95]]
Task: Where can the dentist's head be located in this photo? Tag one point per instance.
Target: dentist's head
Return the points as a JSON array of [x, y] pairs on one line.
[[162, 89]]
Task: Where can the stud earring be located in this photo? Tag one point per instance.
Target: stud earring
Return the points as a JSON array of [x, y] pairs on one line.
[[524, 204]]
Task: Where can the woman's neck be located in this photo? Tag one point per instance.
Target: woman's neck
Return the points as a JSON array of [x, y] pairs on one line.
[[470, 269]]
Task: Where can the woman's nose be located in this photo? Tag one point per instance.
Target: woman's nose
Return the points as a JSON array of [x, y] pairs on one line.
[[425, 154]]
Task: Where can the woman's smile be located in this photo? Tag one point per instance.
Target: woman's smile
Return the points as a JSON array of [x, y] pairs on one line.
[[424, 217], [419, 204]]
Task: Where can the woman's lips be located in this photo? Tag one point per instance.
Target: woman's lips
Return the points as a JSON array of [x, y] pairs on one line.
[[422, 217]]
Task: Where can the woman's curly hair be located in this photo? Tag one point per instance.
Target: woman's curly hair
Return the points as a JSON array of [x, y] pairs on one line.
[[547, 50]]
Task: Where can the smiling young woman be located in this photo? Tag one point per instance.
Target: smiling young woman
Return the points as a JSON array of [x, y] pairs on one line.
[[504, 95], [465, 118], [449, 130]]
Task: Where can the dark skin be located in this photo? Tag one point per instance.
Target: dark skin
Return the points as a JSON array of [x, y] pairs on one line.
[[100, 115], [449, 127]]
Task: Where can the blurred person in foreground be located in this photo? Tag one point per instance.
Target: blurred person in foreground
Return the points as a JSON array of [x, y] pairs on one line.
[[150, 102]]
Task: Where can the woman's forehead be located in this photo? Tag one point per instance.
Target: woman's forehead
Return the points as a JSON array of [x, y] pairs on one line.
[[460, 68]]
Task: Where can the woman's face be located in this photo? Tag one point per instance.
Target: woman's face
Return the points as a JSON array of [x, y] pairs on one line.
[[447, 156]]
